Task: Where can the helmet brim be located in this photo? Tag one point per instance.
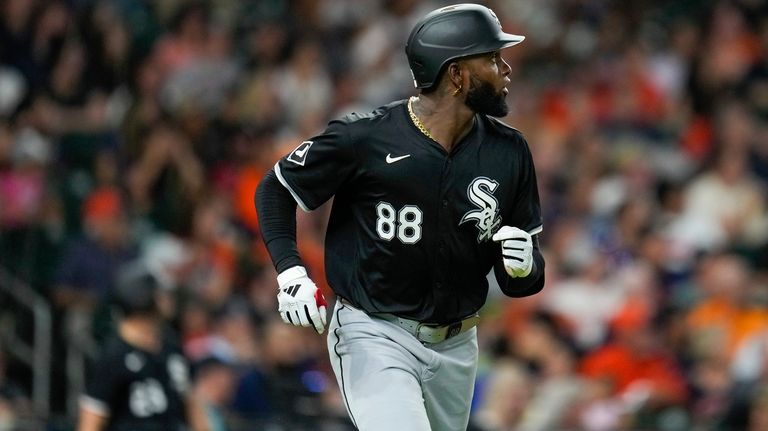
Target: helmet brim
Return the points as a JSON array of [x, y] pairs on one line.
[[508, 39], [503, 40]]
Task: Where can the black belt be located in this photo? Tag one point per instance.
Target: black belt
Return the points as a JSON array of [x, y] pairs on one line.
[[426, 332]]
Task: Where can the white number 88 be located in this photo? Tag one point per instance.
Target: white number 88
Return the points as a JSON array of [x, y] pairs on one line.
[[406, 222]]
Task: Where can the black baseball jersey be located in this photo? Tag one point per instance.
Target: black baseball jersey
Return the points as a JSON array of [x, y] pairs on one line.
[[139, 390], [411, 225]]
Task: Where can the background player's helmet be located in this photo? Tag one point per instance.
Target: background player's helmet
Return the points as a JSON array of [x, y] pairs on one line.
[[135, 291], [452, 32]]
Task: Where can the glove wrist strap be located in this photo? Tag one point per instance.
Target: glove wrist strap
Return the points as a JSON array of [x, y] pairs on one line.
[[291, 273]]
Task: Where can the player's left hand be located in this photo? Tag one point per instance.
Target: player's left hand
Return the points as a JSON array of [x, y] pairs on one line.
[[300, 302], [516, 250]]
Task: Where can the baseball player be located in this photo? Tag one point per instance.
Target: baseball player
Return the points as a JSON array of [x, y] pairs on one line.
[[140, 381], [430, 193]]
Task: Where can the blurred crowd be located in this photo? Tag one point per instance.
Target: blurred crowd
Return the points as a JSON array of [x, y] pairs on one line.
[[139, 129]]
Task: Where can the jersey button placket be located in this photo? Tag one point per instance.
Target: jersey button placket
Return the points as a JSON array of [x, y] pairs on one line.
[[444, 220], [445, 216]]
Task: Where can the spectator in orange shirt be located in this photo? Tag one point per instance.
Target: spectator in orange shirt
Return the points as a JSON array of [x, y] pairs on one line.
[[724, 317], [642, 373]]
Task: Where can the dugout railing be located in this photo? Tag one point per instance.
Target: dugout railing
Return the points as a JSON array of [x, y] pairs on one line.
[[36, 354]]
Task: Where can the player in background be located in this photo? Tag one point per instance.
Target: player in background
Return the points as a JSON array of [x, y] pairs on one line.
[[140, 381], [430, 194]]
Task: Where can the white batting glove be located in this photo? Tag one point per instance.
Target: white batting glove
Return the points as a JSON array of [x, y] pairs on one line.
[[300, 302], [516, 249]]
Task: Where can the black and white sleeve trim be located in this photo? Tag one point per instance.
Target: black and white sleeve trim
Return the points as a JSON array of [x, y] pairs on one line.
[[536, 230], [293, 193]]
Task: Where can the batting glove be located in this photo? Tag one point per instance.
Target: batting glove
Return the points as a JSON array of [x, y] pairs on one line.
[[516, 250], [300, 302]]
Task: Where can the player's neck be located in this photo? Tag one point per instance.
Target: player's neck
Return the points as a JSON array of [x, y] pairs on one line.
[[141, 332], [445, 116]]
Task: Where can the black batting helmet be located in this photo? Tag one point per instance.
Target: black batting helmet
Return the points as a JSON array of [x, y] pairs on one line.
[[452, 32], [135, 291]]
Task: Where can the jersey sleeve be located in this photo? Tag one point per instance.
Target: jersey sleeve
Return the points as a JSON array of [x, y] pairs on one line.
[[315, 170], [102, 386], [527, 209]]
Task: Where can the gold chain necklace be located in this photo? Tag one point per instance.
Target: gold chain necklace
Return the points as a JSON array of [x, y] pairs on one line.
[[416, 122]]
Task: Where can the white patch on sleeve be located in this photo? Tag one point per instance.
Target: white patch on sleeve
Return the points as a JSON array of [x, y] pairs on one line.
[[299, 155]]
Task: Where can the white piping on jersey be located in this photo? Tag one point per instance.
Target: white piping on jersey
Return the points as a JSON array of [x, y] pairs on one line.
[[285, 184], [536, 230], [93, 405]]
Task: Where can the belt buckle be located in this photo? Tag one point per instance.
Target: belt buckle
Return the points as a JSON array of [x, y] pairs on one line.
[[451, 330], [417, 332], [428, 335]]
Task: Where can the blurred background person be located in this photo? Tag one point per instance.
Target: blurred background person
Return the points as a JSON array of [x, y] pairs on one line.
[[213, 385], [141, 380]]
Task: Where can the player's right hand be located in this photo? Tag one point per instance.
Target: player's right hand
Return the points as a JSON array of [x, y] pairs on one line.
[[300, 302]]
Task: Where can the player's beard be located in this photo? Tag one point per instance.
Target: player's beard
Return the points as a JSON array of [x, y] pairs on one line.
[[483, 98]]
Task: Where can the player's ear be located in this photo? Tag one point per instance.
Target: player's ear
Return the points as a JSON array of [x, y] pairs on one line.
[[455, 75]]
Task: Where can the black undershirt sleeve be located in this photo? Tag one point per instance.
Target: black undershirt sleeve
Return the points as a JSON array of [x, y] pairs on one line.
[[277, 219], [525, 286]]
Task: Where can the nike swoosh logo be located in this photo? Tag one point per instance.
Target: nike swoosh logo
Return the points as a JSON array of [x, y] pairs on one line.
[[391, 159]]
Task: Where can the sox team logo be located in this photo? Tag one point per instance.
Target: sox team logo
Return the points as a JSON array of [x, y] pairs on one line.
[[486, 218]]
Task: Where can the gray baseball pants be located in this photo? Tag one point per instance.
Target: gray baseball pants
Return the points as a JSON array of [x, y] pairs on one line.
[[391, 381]]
